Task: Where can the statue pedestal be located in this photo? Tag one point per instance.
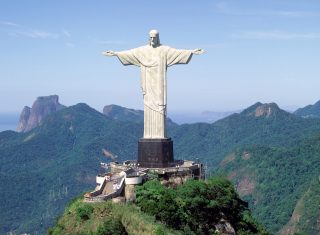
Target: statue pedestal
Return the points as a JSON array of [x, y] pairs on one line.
[[155, 153]]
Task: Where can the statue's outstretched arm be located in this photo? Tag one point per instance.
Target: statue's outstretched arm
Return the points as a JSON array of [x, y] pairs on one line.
[[198, 51], [109, 53], [128, 57]]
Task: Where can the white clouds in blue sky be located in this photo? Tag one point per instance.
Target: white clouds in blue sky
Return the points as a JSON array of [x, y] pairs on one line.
[[264, 50], [7, 23]]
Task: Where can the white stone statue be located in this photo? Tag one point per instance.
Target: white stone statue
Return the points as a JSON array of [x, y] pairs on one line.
[[153, 59]]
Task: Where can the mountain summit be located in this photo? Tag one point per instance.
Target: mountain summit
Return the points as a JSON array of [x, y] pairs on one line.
[[309, 111], [42, 107], [262, 110], [123, 114]]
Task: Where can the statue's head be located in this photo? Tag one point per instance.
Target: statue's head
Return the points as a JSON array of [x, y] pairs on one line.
[[154, 39]]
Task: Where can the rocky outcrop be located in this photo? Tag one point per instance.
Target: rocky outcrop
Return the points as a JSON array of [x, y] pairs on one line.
[[24, 117], [42, 107], [225, 228], [263, 110]]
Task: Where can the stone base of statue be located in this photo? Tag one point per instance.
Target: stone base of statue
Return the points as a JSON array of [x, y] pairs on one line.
[[155, 153]]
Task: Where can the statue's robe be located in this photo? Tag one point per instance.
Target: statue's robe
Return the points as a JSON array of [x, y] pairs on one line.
[[153, 63]]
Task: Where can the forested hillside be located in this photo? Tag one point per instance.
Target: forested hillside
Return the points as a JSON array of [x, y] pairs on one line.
[[276, 180], [41, 170], [309, 111], [195, 207], [264, 124]]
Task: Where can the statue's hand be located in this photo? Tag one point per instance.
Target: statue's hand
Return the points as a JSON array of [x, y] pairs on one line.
[[198, 51], [109, 53]]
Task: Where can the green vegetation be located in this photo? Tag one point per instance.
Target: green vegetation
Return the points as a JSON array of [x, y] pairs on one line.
[[43, 169], [310, 211], [310, 111], [281, 176], [111, 226], [212, 142], [107, 218], [84, 211], [196, 207]]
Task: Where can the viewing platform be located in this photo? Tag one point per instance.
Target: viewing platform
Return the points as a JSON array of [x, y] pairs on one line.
[[112, 183]]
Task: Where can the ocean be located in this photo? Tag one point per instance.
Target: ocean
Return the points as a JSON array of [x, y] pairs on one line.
[[8, 121]]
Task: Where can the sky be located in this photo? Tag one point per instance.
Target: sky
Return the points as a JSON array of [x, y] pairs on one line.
[[255, 50]]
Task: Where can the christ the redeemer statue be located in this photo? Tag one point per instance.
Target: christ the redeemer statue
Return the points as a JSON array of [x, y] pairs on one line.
[[153, 60]]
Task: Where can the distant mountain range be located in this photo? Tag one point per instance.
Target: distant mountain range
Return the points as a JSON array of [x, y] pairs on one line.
[[312, 111], [45, 105], [271, 155]]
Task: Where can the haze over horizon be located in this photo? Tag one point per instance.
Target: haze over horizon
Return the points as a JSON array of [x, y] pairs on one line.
[[265, 51], [9, 121]]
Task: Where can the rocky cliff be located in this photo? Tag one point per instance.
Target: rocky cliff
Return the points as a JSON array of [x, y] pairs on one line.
[[32, 117], [263, 110], [24, 117]]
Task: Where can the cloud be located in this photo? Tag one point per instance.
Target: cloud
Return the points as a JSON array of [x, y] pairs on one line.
[[8, 23], [17, 30], [37, 34], [276, 35]]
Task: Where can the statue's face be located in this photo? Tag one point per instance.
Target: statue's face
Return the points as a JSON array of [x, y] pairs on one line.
[[153, 40]]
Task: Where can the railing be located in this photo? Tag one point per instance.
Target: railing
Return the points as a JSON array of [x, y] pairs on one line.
[[100, 190], [115, 193]]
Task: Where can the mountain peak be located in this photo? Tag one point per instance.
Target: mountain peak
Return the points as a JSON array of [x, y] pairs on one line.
[[309, 110], [266, 110], [42, 106], [123, 114], [262, 110]]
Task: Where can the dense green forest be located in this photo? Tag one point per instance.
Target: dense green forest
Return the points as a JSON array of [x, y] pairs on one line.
[[278, 178], [196, 207], [164, 210], [107, 218], [212, 142], [41, 170]]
